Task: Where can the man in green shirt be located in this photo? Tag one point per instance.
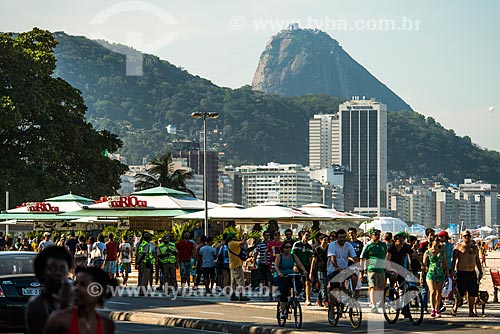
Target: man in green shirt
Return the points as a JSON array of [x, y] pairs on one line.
[[373, 256], [304, 252]]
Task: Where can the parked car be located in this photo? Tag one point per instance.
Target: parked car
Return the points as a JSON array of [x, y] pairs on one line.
[[17, 285]]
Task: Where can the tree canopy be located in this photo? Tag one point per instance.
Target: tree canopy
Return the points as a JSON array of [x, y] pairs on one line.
[[47, 147], [162, 172]]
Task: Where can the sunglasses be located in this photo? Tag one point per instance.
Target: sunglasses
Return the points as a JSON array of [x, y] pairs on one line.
[[287, 247], [307, 236], [466, 235]]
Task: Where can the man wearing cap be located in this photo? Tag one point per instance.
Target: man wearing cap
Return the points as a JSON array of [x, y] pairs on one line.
[[373, 256], [464, 263], [46, 242], [236, 265]]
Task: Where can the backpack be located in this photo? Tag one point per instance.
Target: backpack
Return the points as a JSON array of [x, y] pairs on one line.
[[243, 255], [81, 255], [96, 253]]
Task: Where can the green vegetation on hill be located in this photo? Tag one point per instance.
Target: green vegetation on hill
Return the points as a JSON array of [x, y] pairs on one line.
[[256, 128]]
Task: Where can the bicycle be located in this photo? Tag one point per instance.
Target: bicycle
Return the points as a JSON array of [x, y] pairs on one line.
[[345, 304], [292, 306], [409, 302]]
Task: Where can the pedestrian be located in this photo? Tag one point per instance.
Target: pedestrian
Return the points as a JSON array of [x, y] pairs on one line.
[[2, 242], [262, 260], [373, 256], [289, 236], [25, 246], [145, 261], [436, 267], [223, 275], [358, 248], [81, 252], [46, 242], [333, 236], [304, 252], [71, 243], [51, 268], [34, 244], [97, 252], [388, 239], [82, 317], [111, 256], [464, 264], [169, 260], [429, 232], [185, 248], [208, 255], [90, 243], [197, 261], [236, 257], [320, 260], [125, 251]]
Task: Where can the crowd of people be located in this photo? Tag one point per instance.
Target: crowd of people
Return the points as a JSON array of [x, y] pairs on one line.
[[325, 261]]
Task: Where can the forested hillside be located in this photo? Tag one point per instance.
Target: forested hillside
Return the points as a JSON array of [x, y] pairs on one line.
[[254, 127]]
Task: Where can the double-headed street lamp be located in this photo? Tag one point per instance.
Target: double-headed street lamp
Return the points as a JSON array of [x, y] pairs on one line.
[[205, 115]]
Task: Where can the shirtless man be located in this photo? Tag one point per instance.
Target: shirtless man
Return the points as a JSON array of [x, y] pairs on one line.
[[465, 260]]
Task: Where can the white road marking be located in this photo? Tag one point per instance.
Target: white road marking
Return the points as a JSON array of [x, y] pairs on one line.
[[264, 318], [219, 313]]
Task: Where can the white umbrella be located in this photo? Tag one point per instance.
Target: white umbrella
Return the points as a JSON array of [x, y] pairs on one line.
[[274, 211], [228, 211], [321, 210], [491, 237], [486, 229], [385, 224]]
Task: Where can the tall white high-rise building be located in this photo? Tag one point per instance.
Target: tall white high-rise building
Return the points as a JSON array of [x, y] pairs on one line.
[[324, 139]]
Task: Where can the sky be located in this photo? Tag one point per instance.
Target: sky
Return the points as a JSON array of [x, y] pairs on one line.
[[441, 57]]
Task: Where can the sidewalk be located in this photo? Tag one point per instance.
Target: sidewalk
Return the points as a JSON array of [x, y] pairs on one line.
[[258, 315]]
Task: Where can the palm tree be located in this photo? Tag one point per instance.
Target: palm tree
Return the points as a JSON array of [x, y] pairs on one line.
[[163, 172]]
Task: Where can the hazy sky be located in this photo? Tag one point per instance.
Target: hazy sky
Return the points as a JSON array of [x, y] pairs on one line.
[[442, 57]]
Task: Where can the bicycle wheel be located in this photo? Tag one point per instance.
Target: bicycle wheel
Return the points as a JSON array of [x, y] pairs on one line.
[[355, 314], [297, 313], [415, 306], [390, 305], [281, 321], [334, 313]]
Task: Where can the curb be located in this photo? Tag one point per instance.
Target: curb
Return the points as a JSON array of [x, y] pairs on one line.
[[208, 325], [233, 327]]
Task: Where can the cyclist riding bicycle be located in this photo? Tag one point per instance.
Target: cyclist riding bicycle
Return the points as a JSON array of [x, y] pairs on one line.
[[339, 254], [397, 257], [398, 254], [283, 266]]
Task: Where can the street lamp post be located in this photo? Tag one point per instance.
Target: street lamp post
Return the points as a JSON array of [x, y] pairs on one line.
[[205, 115]]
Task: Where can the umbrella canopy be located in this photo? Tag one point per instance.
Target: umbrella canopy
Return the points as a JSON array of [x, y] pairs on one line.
[[274, 211], [321, 210], [63, 203], [157, 198], [228, 211], [491, 237], [385, 224], [486, 229]]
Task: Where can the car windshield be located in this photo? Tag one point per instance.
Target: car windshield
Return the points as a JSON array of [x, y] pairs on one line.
[[16, 264]]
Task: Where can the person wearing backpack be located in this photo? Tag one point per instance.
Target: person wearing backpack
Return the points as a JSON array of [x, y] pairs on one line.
[[97, 253], [237, 254], [223, 276]]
